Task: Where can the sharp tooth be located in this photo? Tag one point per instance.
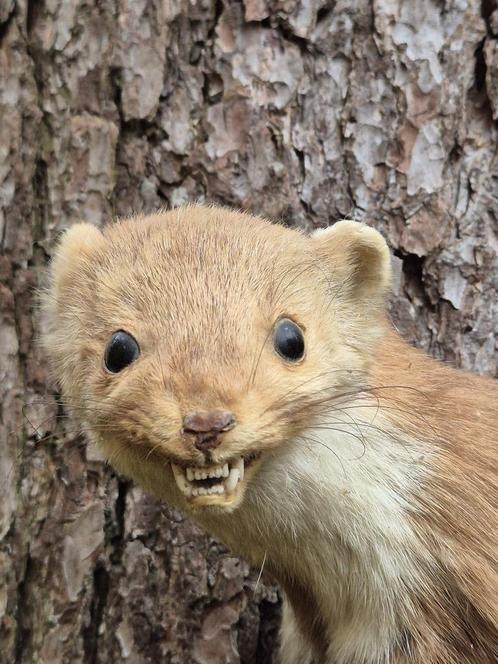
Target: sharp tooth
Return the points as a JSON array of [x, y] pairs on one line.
[[225, 471], [202, 491], [197, 474], [195, 492], [219, 472], [181, 481], [239, 464], [220, 488], [190, 474], [232, 480]]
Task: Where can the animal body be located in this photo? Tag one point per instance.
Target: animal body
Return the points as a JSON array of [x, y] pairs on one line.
[[247, 374]]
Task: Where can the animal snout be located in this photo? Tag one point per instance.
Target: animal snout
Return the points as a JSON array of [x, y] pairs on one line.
[[207, 427]]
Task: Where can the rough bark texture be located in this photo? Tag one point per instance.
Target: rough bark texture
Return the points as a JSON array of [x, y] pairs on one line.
[[308, 111]]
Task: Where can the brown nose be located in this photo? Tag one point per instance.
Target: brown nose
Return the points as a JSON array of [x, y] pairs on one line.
[[207, 427]]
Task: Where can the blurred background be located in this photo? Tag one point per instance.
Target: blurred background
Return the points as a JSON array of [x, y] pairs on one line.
[[306, 111]]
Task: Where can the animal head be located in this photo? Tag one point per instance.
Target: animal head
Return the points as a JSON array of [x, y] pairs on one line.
[[194, 344]]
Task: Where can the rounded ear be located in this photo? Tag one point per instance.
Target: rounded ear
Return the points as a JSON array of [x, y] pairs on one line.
[[357, 259], [74, 249], [71, 260]]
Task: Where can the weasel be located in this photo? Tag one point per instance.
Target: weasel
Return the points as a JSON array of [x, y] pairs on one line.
[[248, 374]]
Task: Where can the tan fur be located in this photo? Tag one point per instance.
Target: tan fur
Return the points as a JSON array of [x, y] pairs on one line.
[[375, 497]]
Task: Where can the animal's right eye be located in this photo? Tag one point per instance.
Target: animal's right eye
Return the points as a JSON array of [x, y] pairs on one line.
[[121, 351]]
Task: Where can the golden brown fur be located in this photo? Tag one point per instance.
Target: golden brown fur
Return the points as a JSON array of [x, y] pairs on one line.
[[374, 500], [457, 517]]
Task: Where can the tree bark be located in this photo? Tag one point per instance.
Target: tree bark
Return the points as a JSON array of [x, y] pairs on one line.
[[307, 111]]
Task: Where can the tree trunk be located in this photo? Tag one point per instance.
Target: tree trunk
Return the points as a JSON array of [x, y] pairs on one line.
[[307, 111]]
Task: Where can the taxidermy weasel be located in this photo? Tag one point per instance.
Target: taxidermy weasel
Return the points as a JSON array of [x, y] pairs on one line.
[[247, 374]]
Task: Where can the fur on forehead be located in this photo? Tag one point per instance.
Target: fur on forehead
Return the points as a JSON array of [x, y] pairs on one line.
[[206, 239], [197, 273], [193, 267], [189, 254]]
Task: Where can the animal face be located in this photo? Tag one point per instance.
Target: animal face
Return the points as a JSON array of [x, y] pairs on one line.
[[195, 344]]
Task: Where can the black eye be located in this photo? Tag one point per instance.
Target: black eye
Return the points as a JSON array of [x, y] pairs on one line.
[[121, 351], [288, 340]]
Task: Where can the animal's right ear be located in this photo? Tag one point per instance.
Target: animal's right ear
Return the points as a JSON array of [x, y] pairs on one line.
[[75, 249]]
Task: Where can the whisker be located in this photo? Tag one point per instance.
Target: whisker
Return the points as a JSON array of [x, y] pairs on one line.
[[112, 459], [260, 574], [252, 375], [309, 380], [152, 450], [275, 288], [360, 439], [354, 422], [316, 441]]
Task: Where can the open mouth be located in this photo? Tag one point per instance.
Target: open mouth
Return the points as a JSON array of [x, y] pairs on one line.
[[213, 485]]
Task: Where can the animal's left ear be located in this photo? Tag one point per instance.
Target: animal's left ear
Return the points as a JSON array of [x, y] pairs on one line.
[[357, 259]]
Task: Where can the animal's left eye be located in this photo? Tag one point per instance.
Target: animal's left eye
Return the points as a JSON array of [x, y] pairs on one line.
[[288, 340], [121, 351]]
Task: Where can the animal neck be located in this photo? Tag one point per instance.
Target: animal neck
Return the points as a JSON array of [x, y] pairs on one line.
[[331, 514]]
